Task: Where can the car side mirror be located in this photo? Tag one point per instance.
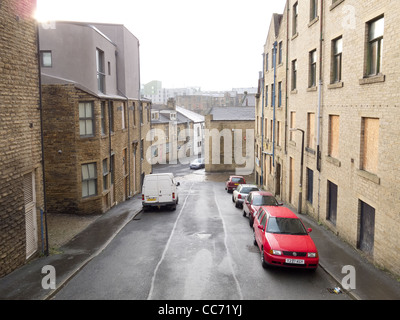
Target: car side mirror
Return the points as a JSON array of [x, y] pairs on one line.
[[309, 230], [178, 184], [261, 227]]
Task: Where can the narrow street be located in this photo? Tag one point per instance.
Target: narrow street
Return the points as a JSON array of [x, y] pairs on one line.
[[203, 250]]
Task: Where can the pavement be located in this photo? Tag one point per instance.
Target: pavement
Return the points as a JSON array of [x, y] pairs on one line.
[[25, 283]]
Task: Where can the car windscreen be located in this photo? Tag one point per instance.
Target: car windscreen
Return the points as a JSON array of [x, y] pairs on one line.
[[285, 226], [237, 180], [265, 201], [248, 189]]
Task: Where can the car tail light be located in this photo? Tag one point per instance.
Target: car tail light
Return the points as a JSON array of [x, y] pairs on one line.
[[142, 197], [239, 196], [173, 195]]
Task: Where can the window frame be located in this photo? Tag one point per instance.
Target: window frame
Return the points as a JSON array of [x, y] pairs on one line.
[[312, 80], [85, 119], [337, 61], [374, 64], [89, 179]]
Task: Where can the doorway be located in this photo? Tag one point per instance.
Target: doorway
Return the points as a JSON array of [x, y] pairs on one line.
[[367, 228], [278, 180], [332, 202]]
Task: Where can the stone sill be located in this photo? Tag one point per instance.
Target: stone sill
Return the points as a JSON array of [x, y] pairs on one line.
[[334, 5], [369, 176], [336, 85], [372, 79], [311, 89], [333, 161]]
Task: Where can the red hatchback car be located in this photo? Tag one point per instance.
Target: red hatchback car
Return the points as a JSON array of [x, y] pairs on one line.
[[283, 240], [233, 181]]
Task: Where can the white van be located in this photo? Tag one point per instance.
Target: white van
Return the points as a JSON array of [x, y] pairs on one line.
[[159, 190]]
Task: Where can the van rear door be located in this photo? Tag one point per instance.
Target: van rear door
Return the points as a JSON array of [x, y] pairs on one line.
[[151, 189], [165, 187]]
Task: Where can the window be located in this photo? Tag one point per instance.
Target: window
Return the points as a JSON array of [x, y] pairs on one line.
[[313, 9], [369, 144], [311, 130], [46, 59], [292, 124], [294, 74], [313, 69], [105, 174], [294, 19], [266, 95], [100, 70], [278, 133], [310, 185], [86, 119], [267, 62], [337, 48], [280, 94], [103, 118], [375, 46], [111, 115], [89, 180], [125, 161], [272, 95], [134, 114], [280, 53], [123, 117], [333, 142]]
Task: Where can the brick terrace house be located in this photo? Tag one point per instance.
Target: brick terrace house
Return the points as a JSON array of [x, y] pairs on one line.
[[21, 180], [95, 123], [333, 70]]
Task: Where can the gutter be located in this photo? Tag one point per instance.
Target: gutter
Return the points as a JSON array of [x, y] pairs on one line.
[[46, 252]]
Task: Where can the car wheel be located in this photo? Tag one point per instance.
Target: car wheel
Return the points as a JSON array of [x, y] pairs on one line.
[[233, 199], [236, 205], [263, 263], [254, 238], [244, 213]]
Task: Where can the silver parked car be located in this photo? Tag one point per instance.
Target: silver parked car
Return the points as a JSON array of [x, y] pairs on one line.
[[197, 164], [241, 192]]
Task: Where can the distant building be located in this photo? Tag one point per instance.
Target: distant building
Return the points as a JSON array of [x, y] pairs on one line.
[[198, 129], [171, 134], [22, 233], [95, 123]]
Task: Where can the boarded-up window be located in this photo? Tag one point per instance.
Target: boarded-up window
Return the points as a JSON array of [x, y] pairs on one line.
[[333, 143], [369, 144], [311, 130]]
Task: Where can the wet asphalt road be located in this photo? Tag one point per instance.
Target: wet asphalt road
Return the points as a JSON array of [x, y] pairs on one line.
[[203, 250]]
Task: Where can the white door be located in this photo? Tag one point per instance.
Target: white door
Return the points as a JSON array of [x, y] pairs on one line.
[[30, 214]]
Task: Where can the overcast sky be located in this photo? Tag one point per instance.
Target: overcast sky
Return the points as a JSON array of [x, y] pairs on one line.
[[212, 44]]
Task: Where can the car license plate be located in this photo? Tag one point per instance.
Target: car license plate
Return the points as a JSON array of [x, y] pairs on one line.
[[295, 261], [151, 199], [236, 184]]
